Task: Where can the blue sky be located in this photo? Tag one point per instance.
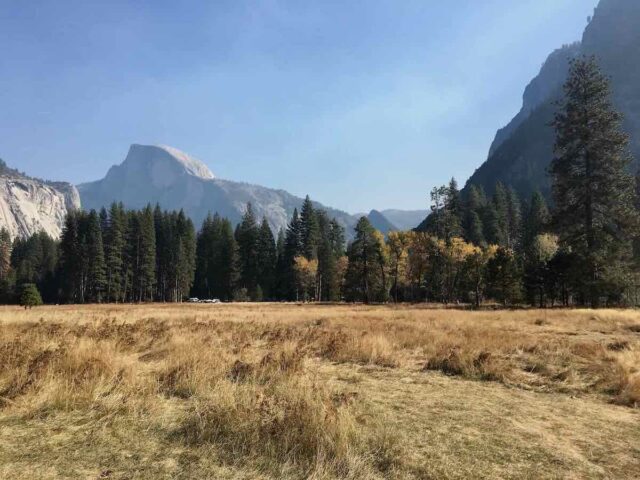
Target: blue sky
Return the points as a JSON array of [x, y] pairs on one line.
[[360, 103]]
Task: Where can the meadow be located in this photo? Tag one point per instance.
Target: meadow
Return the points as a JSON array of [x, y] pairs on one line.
[[265, 391]]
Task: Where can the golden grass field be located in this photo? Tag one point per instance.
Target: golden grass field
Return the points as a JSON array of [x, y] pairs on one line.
[[265, 391]]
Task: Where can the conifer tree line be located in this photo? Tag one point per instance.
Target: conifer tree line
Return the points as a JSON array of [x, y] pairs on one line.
[[119, 255], [581, 248]]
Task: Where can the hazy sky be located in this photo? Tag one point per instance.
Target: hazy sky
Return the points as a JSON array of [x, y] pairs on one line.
[[360, 103]]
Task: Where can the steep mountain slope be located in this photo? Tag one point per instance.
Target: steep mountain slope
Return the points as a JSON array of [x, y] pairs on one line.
[[380, 222], [28, 205], [522, 151], [173, 179], [405, 219]]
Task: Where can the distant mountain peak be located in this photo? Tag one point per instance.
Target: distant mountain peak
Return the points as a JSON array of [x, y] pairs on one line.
[[380, 222], [164, 175], [165, 162]]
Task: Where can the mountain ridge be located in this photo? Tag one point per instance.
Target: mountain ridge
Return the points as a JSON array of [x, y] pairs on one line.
[[153, 174], [523, 149]]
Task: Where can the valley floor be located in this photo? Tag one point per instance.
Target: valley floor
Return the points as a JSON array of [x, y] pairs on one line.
[[262, 391]]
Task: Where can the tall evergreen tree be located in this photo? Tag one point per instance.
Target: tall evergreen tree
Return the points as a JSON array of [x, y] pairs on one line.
[[205, 244], [504, 277], [267, 259], [293, 247], [226, 264], [364, 280], [472, 216], [247, 237], [71, 260], [104, 221], [514, 220], [141, 255], [454, 211], [446, 212], [536, 220], [184, 242], [500, 228], [114, 241], [309, 229], [493, 227], [330, 249], [94, 254], [594, 194], [217, 263], [280, 286]]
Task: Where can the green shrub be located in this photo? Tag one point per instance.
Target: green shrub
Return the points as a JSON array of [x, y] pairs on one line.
[[30, 296]]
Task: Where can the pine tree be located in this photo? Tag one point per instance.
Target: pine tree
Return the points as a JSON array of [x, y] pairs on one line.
[[309, 229], [514, 220], [365, 273], [185, 246], [205, 251], [537, 269], [34, 260], [94, 251], [500, 224], [114, 252], [493, 232], [536, 220], [247, 235], [454, 211], [475, 233], [473, 226], [280, 286], [226, 263], [143, 244], [293, 247], [504, 277], [267, 259], [594, 195], [71, 260], [104, 221], [330, 249], [166, 254]]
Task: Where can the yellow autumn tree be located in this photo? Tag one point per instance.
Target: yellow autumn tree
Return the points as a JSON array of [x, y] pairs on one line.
[[454, 255], [398, 246], [306, 275], [418, 262]]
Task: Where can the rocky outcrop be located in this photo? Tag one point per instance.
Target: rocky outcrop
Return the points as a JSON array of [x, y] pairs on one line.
[[174, 180], [29, 205]]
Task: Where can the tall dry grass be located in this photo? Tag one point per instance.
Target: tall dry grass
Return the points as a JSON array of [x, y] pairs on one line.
[[261, 405], [242, 379]]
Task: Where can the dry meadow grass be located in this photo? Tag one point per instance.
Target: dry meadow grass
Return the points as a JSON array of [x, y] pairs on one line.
[[260, 391]]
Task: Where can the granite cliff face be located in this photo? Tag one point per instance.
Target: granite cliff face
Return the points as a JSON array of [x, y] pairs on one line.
[[522, 151], [29, 205], [173, 179]]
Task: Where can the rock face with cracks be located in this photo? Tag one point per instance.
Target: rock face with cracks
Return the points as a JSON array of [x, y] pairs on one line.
[[29, 205]]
